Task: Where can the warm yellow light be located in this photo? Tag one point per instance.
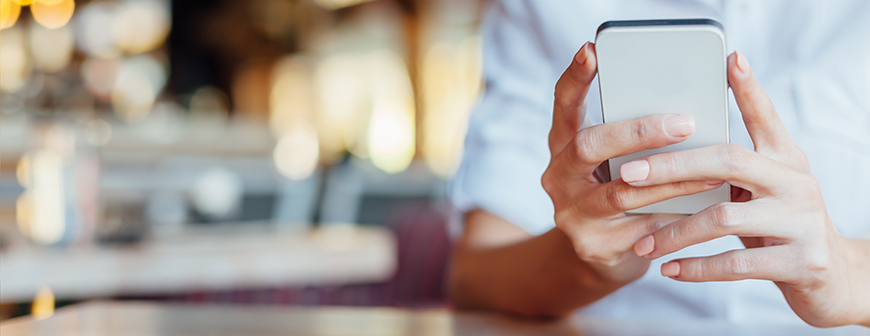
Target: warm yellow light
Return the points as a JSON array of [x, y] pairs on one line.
[[15, 66], [22, 171], [45, 2], [138, 83], [391, 132], [43, 304], [336, 4], [290, 101], [24, 212], [51, 48], [451, 82], [9, 11], [53, 15], [297, 152], [140, 26], [342, 99], [133, 96], [28, 2]]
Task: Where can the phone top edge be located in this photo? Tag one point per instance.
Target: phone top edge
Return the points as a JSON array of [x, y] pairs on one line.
[[666, 22]]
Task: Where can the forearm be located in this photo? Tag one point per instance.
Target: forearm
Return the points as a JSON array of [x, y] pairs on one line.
[[858, 258], [541, 276]]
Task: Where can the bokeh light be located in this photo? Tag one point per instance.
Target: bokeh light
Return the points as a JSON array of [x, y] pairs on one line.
[[297, 152], [52, 14], [336, 4], [451, 83], [391, 132], [217, 192], [9, 12], [40, 211], [140, 26], [43, 303], [290, 98], [93, 36], [99, 75], [139, 81], [15, 66], [98, 132], [343, 101], [51, 48]]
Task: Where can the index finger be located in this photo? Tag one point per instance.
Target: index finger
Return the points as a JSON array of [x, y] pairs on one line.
[[593, 145]]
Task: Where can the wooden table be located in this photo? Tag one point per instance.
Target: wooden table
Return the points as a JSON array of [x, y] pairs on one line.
[[204, 258], [147, 319]]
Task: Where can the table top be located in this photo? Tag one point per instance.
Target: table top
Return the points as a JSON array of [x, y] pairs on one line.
[[206, 258], [148, 319]]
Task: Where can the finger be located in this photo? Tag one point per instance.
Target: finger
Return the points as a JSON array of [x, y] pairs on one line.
[[765, 128], [728, 162], [592, 145], [766, 263], [632, 227], [742, 219], [570, 96], [617, 196]]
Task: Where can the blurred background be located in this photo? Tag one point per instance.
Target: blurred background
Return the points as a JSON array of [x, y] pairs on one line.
[[287, 152]]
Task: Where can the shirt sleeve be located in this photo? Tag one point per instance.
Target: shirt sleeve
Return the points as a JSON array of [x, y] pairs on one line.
[[506, 148]]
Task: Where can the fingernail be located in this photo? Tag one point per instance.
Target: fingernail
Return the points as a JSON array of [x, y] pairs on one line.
[[634, 171], [583, 54], [671, 269], [680, 125], [644, 246], [742, 66], [713, 182]]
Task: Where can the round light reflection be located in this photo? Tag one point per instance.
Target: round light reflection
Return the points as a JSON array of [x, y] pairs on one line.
[[9, 11], [53, 15], [296, 153]]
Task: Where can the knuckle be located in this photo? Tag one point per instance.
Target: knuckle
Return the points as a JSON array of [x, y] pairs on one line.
[[585, 146], [736, 157], [669, 235], [816, 261], [737, 265], [810, 185], [639, 131], [547, 182], [692, 269], [667, 163], [725, 216], [655, 222], [618, 199]]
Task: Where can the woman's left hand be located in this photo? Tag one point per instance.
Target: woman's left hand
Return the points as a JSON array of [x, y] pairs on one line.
[[777, 210]]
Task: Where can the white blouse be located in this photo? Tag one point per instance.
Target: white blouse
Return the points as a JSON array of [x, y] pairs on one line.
[[812, 57]]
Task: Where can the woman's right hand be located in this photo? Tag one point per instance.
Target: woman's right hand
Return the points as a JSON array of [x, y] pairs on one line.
[[591, 212]]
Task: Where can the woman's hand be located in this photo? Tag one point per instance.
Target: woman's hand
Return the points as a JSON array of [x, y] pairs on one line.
[[588, 211], [777, 211]]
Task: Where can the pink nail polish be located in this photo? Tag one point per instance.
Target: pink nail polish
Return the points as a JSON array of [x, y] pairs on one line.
[[644, 246], [680, 125], [742, 65], [671, 269], [634, 171]]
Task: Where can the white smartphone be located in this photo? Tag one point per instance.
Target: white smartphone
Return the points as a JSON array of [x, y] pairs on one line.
[[666, 66]]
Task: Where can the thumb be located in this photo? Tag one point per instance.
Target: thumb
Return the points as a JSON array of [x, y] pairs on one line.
[[570, 97]]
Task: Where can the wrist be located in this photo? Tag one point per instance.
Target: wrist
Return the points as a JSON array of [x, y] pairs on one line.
[[856, 254]]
